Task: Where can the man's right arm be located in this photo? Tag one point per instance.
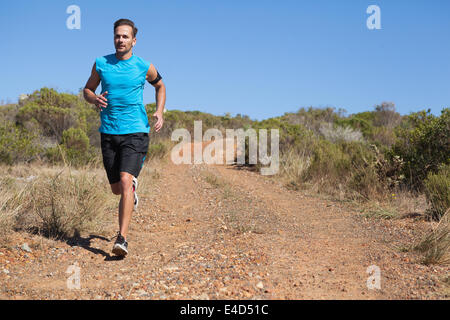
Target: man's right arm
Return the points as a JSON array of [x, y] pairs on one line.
[[89, 90]]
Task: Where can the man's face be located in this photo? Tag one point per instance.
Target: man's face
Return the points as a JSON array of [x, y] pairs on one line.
[[123, 39]]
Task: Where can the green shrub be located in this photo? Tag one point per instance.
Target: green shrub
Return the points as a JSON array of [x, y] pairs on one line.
[[365, 182], [437, 191], [311, 118], [74, 149], [54, 154], [53, 120], [383, 137], [56, 112], [16, 144], [423, 143], [360, 121], [157, 150], [348, 167], [389, 169], [76, 145], [329, 163], [376, 126], [8, 112]]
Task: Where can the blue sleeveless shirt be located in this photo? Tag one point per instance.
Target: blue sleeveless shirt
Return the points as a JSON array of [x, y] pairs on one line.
[[124, 80]]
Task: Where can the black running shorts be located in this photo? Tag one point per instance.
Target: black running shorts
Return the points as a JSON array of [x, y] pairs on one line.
[[123, 153]]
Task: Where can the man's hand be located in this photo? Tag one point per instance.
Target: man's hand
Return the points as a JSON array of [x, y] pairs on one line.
[[100, 101], [160, 121]]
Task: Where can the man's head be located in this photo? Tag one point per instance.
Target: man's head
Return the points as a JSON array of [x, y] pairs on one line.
[[124, 35]]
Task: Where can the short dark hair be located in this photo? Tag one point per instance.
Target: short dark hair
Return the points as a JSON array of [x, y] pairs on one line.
[[127, 22]]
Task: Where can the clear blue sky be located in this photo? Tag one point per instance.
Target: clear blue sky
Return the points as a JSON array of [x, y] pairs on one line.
[[260, 58]]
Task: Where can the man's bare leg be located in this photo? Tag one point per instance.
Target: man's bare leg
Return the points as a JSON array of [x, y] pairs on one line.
[[126, 202]]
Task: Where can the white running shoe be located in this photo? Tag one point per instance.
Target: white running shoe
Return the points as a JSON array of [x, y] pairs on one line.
[[136, 199], [120, 247]]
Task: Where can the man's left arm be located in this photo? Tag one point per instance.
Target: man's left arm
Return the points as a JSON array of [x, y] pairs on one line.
[[154, 78]]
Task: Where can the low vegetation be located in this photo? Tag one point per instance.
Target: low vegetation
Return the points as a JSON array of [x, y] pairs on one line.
[[59, 202], [367, 156], [435, 246]]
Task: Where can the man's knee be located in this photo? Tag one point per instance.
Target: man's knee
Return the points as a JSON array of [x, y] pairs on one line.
[[126, 181]]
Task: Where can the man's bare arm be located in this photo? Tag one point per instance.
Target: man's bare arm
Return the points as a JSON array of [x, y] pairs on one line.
[[89, 90], [160, 95]]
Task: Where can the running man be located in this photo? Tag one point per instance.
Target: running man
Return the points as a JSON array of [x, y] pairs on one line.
[[124, 125]]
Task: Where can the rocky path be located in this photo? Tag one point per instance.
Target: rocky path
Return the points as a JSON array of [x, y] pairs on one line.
[[217, 232]]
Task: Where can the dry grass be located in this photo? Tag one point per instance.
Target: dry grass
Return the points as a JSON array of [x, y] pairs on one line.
[[292, 168], [435, 246], [399, 204], [60, 201], [68, 204], [379, 212], [11, 201], [56, 202]]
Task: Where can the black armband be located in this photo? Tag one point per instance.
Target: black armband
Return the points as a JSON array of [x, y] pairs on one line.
[[158, 77]]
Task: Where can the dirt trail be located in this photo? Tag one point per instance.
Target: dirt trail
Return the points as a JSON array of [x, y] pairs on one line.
[[217, 232]]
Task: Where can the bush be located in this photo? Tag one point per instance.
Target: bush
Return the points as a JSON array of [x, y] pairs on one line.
[[157, 150], [423, 143], [389, 169], [437, 191], [386, 116], [312, 118], [348, 167], [16, 144], [8, 112], [74, 149], [65, 205], [364, 182], [435, 246], [376, 126], [328, 163], [53, 120], [55, 112], [360, 121]]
